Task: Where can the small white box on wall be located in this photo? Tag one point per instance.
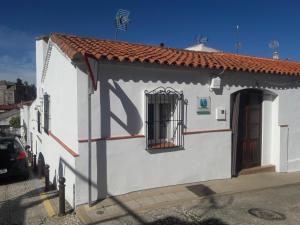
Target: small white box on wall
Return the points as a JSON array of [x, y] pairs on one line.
[[220, 113], [215, 83]]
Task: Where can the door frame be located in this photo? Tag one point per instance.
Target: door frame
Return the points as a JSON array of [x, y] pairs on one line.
[[236, 153]]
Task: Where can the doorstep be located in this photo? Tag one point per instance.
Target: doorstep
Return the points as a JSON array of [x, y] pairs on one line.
[[258, 169], [141, 201]]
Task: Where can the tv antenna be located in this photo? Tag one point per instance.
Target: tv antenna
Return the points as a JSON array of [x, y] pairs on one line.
[[274, 45], [121, 21], [200, 39], [238, 44]]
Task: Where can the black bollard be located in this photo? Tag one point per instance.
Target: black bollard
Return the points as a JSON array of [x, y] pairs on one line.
[[47, 181], [34, 162], [40, 168], [61, 191]]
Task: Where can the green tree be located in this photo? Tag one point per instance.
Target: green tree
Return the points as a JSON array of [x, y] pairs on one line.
[[15, 122], [19, 82]]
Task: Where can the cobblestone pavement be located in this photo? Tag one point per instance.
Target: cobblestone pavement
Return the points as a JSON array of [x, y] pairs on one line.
[[278, 206], [20, 203]]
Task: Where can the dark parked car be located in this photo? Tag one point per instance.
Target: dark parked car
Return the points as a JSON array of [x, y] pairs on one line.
[[13, 158]]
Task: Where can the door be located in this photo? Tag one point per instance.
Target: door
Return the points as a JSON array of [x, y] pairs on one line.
[[250, 137]]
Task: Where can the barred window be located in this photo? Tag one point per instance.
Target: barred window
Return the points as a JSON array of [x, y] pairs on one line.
[[164, 118], [46, 113]]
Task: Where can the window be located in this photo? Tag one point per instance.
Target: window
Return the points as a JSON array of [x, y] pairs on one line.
[[164, 119], [39, 121], [25, 131], [46, 113]]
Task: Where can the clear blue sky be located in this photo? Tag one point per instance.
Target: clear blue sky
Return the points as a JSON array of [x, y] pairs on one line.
[[173, 22]]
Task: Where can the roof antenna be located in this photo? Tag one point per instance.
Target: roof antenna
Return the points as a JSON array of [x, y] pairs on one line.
[[121, 21], [238, 44], [274, 45]]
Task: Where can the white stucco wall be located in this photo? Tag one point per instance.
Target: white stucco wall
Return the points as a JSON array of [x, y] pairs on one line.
[[24, 120], [129, 167], [60, 84]]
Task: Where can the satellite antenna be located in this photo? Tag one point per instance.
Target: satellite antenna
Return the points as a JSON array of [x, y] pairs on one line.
[[121, 21], [274, 45], [238, 44]]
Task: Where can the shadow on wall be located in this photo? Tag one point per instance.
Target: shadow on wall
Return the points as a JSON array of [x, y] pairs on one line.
[[210, 202], [132, 126], [134, 122], [186, 75]]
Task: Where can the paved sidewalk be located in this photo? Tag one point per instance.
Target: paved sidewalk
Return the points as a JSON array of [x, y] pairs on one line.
[[20, 202], [142, 201], [24, 202]]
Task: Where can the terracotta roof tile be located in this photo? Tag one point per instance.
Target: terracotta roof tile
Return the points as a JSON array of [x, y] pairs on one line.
[[123, 51]]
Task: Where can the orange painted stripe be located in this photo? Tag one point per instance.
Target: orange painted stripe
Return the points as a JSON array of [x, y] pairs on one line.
[[205, 131], [112, 138], [73, 153]]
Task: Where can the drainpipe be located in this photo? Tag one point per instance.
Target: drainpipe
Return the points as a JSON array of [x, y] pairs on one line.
[[90, 144], [92, 85]]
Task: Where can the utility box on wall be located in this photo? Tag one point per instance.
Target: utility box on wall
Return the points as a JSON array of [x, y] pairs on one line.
[[220, 113], [215, 83]]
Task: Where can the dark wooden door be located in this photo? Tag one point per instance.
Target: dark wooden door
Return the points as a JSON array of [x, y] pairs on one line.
[[250, 127]]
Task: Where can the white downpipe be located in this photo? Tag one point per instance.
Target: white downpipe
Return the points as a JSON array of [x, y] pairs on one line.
[[89, 141]]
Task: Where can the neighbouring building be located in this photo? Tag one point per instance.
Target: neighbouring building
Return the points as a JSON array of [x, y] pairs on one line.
[[7, 92], [13, 93], [5, 117], [128, 117]]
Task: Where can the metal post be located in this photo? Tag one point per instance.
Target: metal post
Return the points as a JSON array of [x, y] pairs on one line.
[[61, 191], [29, 156], [34, 162], [116, 34], [47, 182], [40, 169]]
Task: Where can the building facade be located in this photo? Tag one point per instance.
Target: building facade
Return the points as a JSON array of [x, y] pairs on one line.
[[114, 117], [7, 93], [13, 93]]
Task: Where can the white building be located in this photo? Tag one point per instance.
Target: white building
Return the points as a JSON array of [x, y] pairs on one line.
[[5, 118], [158, 116]]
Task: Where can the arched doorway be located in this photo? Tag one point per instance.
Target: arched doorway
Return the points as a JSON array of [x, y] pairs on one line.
[[246, 124]]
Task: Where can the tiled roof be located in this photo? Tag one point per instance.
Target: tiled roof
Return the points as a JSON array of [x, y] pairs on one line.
[[124, 51]]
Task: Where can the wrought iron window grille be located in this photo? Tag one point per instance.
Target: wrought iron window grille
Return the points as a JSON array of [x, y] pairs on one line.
[[164, 118]]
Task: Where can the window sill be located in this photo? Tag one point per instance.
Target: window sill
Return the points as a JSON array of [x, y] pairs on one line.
[[162, 146]]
